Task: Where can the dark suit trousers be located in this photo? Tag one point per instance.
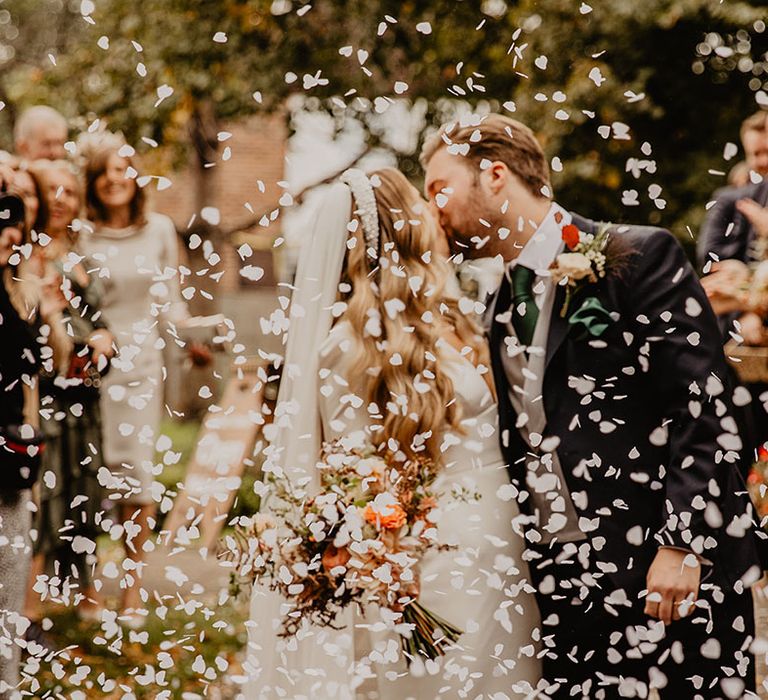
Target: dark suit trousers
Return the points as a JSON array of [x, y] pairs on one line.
[[594, 650]]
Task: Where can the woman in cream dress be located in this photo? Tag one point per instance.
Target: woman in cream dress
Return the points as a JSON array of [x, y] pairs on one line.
[[136, 258]]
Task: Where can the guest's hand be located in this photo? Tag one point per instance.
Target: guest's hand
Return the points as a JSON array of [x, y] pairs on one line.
[[673, 584], [6, 177], [10, 236], [755, 214], [101, 342], [727, 286], [52, 300], [752, 329], [725, 299], [730, 271]]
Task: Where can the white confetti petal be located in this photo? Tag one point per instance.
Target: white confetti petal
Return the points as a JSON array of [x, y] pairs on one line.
[[252, 273], [211, 215]]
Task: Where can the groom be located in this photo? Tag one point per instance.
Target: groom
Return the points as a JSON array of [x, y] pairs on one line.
[[615, 423]]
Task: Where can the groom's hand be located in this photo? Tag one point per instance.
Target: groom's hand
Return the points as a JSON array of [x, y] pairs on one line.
[[673, 584]]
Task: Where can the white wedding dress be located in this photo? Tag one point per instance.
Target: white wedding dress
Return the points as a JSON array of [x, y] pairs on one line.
[[483, 585]]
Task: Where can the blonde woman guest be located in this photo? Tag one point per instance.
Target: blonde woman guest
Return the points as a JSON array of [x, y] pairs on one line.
[[136, 254], [57, 290]]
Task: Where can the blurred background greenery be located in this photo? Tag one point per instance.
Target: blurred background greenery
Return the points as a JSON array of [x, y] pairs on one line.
[[627, 96]]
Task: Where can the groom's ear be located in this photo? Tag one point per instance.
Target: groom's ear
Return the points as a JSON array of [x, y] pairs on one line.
[[495, 176]]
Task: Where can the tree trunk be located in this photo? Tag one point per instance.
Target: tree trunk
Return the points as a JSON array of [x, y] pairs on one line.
[[203, 134], [185, 381]]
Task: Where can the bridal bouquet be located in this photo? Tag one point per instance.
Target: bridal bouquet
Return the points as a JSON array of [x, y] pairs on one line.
[[358, 540]]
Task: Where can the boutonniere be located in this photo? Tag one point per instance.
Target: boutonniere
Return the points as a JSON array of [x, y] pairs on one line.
[[584, 263]]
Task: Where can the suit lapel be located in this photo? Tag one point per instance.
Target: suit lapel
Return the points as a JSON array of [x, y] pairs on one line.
[[585, 225], [558, 327], [496, 340], [512, 440]]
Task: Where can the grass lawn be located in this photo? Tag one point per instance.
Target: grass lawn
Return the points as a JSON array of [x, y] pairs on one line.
[[187, 650], [192, 644]]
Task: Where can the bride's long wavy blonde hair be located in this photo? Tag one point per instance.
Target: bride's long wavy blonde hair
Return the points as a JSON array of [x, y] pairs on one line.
[[398, 312]]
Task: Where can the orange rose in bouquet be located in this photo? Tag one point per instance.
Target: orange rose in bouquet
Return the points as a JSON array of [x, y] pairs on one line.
[[390, 517]]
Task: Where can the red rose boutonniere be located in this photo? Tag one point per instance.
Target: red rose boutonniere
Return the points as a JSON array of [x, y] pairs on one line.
[[571, 236], [583, 263]]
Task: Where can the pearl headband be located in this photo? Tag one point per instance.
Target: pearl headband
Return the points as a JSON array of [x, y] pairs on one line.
[[365, 200]]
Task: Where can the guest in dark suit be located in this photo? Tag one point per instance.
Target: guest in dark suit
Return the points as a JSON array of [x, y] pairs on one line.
[[731, 228], [731, 233], [616, 423], [728, 231]]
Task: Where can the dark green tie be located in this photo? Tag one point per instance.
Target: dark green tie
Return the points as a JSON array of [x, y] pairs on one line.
[[525, 313]]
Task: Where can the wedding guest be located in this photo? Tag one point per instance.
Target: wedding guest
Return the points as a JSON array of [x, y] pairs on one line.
[[19, 361], [741, 287], [728, 230], [136, 254], [77, 346], [40, 134], [732, 231]]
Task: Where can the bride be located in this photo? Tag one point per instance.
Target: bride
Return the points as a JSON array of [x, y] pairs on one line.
[[376, 348]]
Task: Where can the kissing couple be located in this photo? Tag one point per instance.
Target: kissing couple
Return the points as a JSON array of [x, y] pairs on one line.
[[610, 546]]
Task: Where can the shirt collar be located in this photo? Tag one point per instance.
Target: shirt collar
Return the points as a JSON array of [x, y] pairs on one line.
[[543, 247]]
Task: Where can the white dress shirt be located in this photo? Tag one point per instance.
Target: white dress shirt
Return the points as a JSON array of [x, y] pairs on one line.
[[542, 248]]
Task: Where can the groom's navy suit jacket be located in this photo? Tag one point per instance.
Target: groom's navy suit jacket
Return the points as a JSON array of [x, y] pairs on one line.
[[643, 418]]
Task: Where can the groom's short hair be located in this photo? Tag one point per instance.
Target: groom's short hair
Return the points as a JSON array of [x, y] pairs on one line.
[[496, 137]]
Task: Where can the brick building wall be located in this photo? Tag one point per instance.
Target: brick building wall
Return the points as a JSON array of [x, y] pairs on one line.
[[249, 178]]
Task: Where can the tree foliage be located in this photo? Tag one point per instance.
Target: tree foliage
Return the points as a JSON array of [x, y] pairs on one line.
[[625, 95]]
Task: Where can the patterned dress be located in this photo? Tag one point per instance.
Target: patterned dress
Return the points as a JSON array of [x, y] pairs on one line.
[[19, 356], [70, 509]]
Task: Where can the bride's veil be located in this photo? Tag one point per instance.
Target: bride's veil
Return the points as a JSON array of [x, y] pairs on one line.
[[318, 662], [294, 435]]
